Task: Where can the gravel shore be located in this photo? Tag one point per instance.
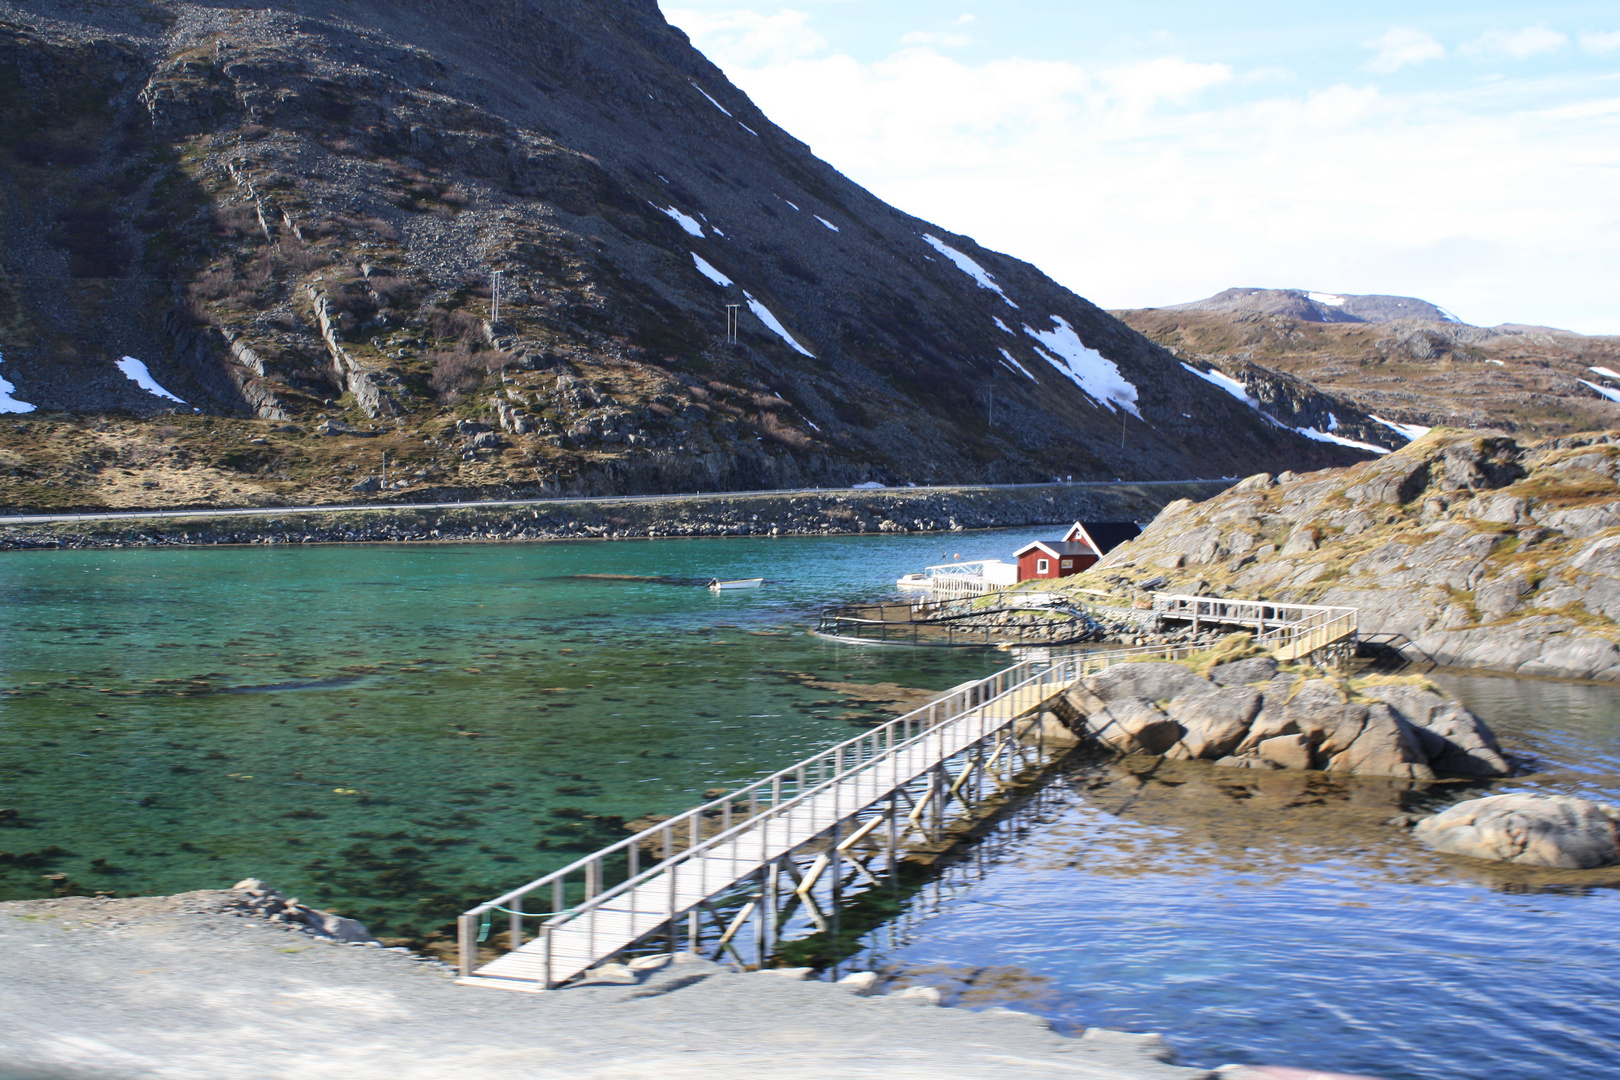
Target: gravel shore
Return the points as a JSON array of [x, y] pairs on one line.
[[180, 987]]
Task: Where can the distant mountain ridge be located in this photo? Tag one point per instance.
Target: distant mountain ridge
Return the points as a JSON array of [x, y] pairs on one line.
[[1310, 306]]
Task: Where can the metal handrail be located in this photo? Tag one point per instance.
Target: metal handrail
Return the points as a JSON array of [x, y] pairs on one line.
[[781, 792]]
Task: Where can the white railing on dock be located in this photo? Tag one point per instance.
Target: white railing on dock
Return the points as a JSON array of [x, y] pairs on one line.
[[709, 849], [1291, 631], [607, 902]]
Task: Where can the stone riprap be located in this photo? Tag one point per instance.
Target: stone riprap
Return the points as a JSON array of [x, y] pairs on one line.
[[254, 898], [1557, 831], [1248, 714], [1462, 549], [845, 512]]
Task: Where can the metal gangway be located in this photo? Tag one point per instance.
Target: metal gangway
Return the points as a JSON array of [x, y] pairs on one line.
[[750, 858]]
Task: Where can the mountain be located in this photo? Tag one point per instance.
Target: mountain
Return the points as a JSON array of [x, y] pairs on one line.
[[1385, 375], [1307, 306], [258, 244]]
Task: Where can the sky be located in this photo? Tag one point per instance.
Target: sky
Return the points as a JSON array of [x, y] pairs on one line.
[[1156, 152]]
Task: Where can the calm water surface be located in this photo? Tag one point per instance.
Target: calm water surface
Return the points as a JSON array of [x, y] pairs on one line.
[[393, 732], [1277, 918], [397, 731]]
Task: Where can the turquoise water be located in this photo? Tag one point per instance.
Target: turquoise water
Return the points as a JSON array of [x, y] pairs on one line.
[[1279, 919], [397, 732]]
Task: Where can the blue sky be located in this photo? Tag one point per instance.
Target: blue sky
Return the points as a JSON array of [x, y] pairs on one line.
[[1152, 153]]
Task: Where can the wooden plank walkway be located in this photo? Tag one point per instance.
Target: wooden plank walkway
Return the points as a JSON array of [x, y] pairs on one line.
[[751, 835]]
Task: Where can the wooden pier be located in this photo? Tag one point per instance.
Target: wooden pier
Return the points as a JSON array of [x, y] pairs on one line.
[[727, 875]]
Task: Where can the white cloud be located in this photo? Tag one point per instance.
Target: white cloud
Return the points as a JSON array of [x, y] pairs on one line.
[[1165, 180], [1516, 44], [943, 40], [1400, 45], [747, 37], [1596, 41]]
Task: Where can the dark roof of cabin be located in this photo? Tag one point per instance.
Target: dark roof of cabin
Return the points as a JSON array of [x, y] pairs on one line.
[[1110, 534], [1056, 547]]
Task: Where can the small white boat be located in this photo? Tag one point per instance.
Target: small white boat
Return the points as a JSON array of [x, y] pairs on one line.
[[915, 581], [738, 583]]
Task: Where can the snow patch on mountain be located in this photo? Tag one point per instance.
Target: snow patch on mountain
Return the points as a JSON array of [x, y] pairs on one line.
[[1217, 377], [685, 221], [1611, 394], [968, 267], [1411, 431], [1089, 369], [713, 102], [774, 325], [710, 272], [827, 223], [1020, 367], [9, 404], [137, 373]]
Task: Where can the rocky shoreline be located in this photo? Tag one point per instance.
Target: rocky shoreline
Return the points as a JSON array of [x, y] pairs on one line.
[[834, 512]]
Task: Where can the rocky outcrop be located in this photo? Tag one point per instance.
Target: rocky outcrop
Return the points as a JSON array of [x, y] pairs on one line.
[[1462, 549], [1252, 716], [253, 897], [1556, 831]]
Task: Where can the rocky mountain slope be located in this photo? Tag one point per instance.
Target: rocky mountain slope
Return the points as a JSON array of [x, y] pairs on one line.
[[1459, 549], [1388, 367], [288, 217]]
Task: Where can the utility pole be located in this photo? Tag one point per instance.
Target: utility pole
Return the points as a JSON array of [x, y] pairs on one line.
[[733, 313], [990, 406], [1124, 419], [385, 471], [495, 299]]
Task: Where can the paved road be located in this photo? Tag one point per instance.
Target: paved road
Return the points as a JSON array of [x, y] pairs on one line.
[[281, 511]]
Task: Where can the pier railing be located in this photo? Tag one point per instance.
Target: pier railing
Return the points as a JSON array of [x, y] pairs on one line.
[[738, 846], [583, 887]]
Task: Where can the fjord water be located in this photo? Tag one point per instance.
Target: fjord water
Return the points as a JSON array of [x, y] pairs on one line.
[[397, 732], [1279, 918], [394, 732]]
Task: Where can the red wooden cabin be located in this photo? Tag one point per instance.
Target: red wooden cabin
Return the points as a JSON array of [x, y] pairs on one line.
[[1079, 550]]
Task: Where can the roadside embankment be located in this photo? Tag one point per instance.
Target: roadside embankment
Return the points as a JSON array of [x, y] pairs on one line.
[[788, 514], [188, 986]]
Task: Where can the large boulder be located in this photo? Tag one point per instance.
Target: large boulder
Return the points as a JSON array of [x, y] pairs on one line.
[[1558, 831], [1288, 722], [1455, 741], [1132, 725]]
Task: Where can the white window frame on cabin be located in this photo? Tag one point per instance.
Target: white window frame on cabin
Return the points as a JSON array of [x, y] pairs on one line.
[[1043, 566]]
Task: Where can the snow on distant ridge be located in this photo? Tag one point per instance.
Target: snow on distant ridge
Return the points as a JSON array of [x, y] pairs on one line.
[[827, 223], [1608, 392], [1219, 378], [1089, 369], [685, 221], [1329, 299], [1020, 367], [710, 272], [1411, 431], [713, 102], [774, 325], [9, 404], [968, 267], [136, 372], [1001, 326], [1608, 373]]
